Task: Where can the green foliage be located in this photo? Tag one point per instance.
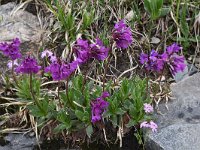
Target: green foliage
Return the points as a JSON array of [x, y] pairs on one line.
[[74, 113], [129, 98], [155, 8], [89, 130], [65, 120], [184, 25], [137, 11], [66, 19], [88, 18], [23, 91], [76, 106]]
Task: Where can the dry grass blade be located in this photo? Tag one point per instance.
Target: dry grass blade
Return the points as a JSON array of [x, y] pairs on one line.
[[20, 6], [126, 71], [14, 103]]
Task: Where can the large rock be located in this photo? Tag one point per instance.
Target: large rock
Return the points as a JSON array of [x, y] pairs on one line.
[[18, 23], [19, 142], [179, 127]]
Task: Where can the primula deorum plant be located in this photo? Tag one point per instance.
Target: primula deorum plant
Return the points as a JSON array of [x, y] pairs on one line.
[[168, 59], [82, 104]]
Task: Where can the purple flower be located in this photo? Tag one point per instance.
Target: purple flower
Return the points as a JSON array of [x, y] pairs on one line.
[[98, 107], [144, 58], [81, 49], [164, 56], [98, 50], [148, 108], [11, 49], [74, 65], [68, 69], [175, 62], [105, 94], [152, 62], [10, 63], [65, 70], [61, 70], [153, 126], [174, 48], [122, 35], [55, 70], [53, 58], [170, 58], [153, 55], [144, 124], [46, 53], [29, 65]]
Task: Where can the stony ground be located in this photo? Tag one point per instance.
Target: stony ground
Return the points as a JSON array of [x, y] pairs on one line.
[[179, 126]]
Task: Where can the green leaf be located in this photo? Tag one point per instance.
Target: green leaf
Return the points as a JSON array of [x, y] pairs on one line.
[[64, 118], [88, 18], [114, 120], [153, 7], [147, 5], [125, 88], [131, 123], [89, 130], [77, 82], [79, 114], [183, 22], [164, 11], [35, 111], [139, 139], [59, 128], [120, 111], [23, 91]]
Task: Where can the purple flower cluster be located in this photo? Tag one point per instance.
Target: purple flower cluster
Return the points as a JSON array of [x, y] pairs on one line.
[[46, 53], [152, 62], [12, 64], [61, 70], [11, 49], [29, 65], [152, 125], [49, 54], [98, 107], [84, 51], [170, 58], [122, 35], [175, 62], [98, 50], [148, 108]]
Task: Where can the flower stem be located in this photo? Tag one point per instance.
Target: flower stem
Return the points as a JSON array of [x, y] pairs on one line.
[[33, 96], [59, 85], [67, 90], [13, 74], [147, 84], [84, 79], [139, 138], [177, 9], [105, 72]]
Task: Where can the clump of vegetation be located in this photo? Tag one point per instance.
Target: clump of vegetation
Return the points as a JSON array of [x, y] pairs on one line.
[[84, 89]]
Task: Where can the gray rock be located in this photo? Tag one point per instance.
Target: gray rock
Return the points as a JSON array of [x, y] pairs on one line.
[[176, 137], [20, 23], [179, 127], [19, 142], [180, 75], [188, 71]]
